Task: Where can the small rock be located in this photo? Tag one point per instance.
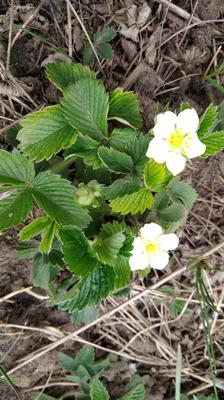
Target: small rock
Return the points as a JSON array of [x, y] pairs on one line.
[[130, 33], [77, 38], [144, 13], [132, 15], [129, 48]]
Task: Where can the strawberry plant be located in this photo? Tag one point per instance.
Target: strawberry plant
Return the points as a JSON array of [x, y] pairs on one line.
[[107, 196]]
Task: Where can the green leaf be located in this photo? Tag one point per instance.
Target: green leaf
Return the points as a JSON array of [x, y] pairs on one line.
[[91, 289], [87, 148], [106, 35], [133, 203], [34, 228], [88, 55], [161, 200], [156, 176], [125, 108], [121, 138], [184, 106], [67, 362], [86, 356], [115, 160], [15, 168], [108, 248], [121, 187], [26, 250], [172, 213], [46, 132], [137, 149], [85, 316], [122, 272], [14, 208], [207, 121], [137, 393], [43, 270], [48, 237], [181, 192], [56, 197], [98, 390], [85, 105], [104, 50], [214, 143], [75, 243], [63, 73]]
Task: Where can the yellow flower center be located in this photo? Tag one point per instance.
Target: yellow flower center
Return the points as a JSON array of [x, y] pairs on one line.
[[150, 247], [176, 139]]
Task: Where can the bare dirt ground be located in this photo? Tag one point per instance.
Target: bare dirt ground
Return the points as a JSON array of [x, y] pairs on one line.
[[163, 50]]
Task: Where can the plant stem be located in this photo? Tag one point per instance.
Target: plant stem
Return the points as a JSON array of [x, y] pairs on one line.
[[10, 382], [61, 165]]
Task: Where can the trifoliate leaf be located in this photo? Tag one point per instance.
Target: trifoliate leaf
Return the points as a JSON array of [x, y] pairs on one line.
[[85, 106], [108, 248], [121, 187], [121, 138], [137, 393], [26, 250], [15, 168], [67, 362], [214, 143], [85, 356], [78, 253], [98, 390], [115, 160], [172, 213], [87, 148], [15, 207], [104, 51], [181, 192], [44, 270], [122, 272], [133, 203], [90, 290], [85, 316], [56, 197], [88, 55], [207, 121], [125, 108], [45, 133], [137, 149], [63, 73], [161, 200], [156, 176], [48, 237], [34, 228], [106, 35]]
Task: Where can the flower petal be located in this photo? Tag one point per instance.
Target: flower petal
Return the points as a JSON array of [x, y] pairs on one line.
[[158, 150], [138, 246], [193, 147], [175, 163], [150, 232], [138, 262], [159, 260], [188, 121], [165, 124], [168, 241]]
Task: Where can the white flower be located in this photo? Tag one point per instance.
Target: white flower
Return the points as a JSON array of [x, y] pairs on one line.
[[175, 139], [150, 249]]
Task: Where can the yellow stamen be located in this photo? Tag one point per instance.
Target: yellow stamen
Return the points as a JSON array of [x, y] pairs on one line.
[[176, 139], [150, 247]]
